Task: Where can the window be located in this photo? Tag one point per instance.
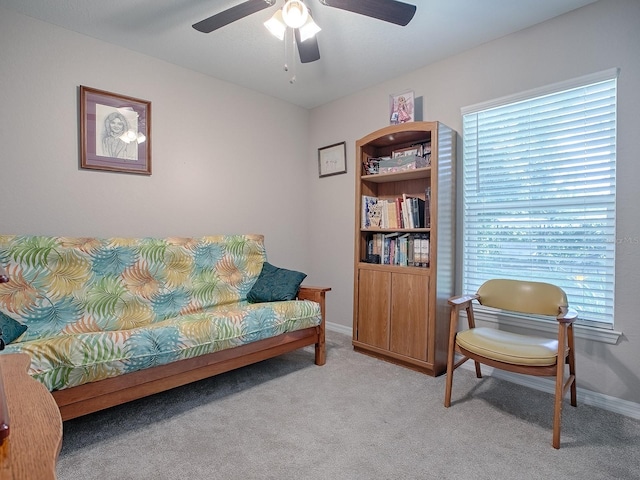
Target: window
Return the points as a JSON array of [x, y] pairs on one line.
[[539, 184]]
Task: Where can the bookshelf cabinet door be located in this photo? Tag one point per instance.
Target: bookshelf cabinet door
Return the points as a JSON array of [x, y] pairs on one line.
[[409, 315], [373, 308]]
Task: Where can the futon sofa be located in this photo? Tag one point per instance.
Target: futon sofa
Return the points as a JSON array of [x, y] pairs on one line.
[[109, 320]]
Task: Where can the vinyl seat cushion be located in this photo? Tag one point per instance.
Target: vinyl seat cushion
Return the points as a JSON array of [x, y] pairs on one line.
[[509, 347]]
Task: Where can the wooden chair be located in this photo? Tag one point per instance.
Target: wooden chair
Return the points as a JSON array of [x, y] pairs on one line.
[[515, 352]]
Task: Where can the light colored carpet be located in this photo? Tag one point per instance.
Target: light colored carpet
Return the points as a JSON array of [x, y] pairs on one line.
[[355, 418]]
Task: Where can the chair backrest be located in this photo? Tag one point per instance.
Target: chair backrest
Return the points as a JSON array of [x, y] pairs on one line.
[[522, 296]]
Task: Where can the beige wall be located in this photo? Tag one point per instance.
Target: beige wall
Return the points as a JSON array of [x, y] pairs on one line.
[[597, 37], [225, 159], [229, 160]]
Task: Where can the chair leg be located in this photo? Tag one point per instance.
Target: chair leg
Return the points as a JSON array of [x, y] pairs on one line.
[[453, 330], [572, 365], [557, 407], [471, 318], [478, 371], [450, 369], [447, 394], [560, 384]]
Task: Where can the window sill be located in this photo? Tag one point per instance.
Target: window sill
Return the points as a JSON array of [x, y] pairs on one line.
[[595, 334]]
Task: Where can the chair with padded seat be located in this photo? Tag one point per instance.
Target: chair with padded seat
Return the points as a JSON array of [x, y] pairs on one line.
[[515, 352]]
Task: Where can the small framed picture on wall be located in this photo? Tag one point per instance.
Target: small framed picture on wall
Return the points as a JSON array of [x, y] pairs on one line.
[[332, 160]]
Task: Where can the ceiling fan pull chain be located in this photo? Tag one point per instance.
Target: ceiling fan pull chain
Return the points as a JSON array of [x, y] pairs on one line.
[[285, 51], [289, 55], [292, 56]]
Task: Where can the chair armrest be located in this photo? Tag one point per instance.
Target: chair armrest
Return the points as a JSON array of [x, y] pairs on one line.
[[567, 315], [462, 301]]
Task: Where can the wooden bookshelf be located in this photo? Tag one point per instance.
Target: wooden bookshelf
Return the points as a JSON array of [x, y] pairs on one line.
[[400, 304]]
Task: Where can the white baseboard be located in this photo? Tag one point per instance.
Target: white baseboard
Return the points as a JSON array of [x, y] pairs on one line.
[[600, 400], [335, 327]]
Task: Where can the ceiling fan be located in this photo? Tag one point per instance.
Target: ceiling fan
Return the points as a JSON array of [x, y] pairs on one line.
[[295, 14]]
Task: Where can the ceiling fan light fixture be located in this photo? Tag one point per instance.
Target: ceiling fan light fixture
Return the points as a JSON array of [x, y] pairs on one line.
[[309, 29], [295, 13], [276, 25]]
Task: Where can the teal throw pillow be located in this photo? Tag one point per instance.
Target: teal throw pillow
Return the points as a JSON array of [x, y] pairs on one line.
[[275, 284], [11, 329]]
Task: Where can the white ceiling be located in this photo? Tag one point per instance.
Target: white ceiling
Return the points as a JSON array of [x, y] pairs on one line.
[[356, 51]]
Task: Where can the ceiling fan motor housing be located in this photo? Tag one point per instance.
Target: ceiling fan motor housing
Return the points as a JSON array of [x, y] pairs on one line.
[[295, 13]]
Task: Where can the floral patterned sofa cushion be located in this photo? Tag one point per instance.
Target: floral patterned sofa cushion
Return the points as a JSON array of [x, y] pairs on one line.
[[69, 360], [97, 308]]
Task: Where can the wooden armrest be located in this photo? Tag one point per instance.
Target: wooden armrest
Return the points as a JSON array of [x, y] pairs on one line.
[[567, 315], [462, 301], [4, 412], [315, 294]]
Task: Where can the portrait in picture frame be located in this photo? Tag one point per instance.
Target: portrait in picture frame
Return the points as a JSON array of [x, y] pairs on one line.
[[115, 132]]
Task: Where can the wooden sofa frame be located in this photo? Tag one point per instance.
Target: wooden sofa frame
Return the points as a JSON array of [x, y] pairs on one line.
[[91, 397]]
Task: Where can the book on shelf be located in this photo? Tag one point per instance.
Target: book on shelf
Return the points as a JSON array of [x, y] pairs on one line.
[[406, 217], [427, 207], [403, 250], [392, 214], [411, 251], [389, 248], [398, 203], [406, 211], [423, 250], [371, 215], [417, 211], [384, 220], [414, 208]]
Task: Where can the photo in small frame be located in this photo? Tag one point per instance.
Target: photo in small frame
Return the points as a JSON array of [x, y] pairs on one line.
[[402, 108], [115, 132]]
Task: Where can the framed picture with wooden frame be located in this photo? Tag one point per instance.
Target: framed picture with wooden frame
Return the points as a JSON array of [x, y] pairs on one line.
[[332, 160], [115, 132]]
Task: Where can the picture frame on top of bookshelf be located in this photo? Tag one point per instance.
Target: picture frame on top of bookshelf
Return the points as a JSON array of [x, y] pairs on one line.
[[403, 265]]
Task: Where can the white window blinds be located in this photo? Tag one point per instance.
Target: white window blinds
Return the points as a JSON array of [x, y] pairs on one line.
[[539, 193]]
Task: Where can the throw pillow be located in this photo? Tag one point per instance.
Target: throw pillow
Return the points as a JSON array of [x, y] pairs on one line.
[[275, 284], [11, 329]]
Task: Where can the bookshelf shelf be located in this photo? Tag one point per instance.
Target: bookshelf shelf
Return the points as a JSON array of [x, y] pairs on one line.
[[404, 264], [397, 176], [394, 268], [391, 230]]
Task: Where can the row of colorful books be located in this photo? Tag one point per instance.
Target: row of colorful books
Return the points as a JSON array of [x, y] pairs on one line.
[[400, 212], [403, 249]]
